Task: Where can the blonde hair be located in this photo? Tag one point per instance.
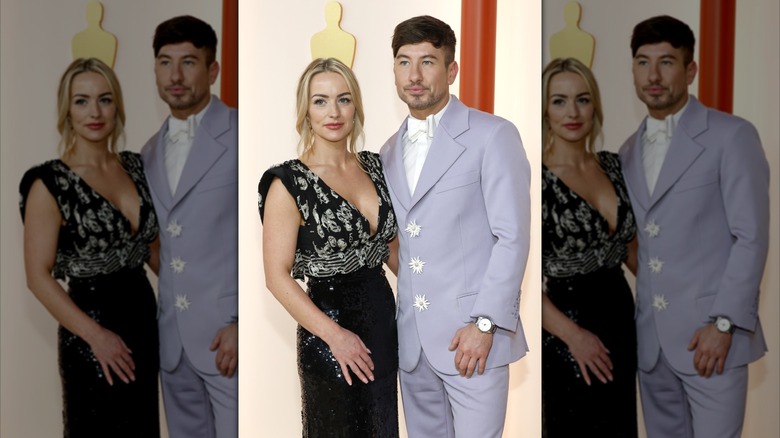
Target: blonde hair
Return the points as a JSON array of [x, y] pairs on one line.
[[302, 125], [64, 126], [571, 65]]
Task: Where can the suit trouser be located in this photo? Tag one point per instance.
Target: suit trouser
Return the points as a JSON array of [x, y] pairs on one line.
[[690, 406], [199, 405], [442, 405]]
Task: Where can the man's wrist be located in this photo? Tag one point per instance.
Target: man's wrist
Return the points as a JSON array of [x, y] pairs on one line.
[[724, 324], [485, 325]]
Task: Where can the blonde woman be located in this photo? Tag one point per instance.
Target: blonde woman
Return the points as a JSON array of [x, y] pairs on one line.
[[89, 221], [588, 232], [327, 217]]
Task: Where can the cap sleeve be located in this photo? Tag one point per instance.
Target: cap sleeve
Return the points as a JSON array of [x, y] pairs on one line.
[[281, 171], [33, 174]]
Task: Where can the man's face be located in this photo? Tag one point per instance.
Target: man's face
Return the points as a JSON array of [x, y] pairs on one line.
[[661, 78], [422, 78], [183, 78]]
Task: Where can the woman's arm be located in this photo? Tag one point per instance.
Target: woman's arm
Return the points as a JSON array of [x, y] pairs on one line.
[[586, 347], [41, 231], [392, 261], [154, 256], [280, 233], [631, 260]]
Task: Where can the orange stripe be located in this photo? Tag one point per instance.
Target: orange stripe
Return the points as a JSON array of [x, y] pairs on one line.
[[478, 53], [716, 54], [229, 67]]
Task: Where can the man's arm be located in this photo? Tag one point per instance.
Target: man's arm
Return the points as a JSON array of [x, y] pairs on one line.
[[506, 178]]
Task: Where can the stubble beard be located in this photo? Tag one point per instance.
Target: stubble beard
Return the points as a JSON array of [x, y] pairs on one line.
[[662, 102], [417, 103], [183, 102]]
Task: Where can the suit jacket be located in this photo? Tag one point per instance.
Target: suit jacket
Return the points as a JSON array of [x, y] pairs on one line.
[[199, 227], [472, 205], [703, 236]]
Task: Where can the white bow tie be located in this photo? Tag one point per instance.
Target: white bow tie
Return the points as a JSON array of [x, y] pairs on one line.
[[416, 127], [179, 130], [659, 130]]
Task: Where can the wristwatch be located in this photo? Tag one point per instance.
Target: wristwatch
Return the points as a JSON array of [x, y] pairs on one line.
[[724, 325], [485, 325]]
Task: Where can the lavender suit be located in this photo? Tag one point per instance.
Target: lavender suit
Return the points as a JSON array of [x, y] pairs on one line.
[[463, 255], [198, 281], [703, 240]]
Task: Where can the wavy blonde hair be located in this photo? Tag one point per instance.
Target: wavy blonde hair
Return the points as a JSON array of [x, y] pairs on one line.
[[571, 65], [302, 125], [64, 126]]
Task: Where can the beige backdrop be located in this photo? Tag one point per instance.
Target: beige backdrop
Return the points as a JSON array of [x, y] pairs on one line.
[[34, 51], [273, 53], [756, 98]]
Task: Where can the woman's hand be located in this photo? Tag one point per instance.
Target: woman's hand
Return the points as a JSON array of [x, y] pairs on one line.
[[113, 355], [352, 354], [591, 354]]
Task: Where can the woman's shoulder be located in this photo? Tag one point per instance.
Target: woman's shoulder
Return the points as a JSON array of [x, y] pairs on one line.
[[371, 160], [609, 159], [45, 171], [131, 160]]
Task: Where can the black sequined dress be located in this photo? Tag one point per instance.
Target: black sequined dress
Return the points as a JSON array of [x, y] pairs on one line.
[[342, 263], [581, 262], [102, 260]]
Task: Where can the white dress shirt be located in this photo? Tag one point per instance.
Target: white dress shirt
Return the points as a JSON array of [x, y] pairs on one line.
[[655, 145], [178, 143], [417, 142]]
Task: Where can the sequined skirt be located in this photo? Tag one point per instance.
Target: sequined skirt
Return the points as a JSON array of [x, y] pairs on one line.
[[124, 303], [602, 303], [363, 303]]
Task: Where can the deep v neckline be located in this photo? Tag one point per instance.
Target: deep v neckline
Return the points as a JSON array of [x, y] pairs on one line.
[[610, 233], [351, 205], [108, 201]]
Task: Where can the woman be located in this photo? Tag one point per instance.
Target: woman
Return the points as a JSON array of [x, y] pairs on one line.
[[89, 220], [327, 217], [589, 339]]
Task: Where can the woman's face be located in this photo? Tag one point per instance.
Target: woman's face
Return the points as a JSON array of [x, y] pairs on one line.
[[331, 110], [92, 110], [569, 108]]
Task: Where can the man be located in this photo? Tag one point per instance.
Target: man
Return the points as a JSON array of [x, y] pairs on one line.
[[192, 168], [459, 182], [698, 181]]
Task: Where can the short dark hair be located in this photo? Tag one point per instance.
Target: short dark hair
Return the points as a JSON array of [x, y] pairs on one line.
[[425, 29], [186, 29], [664, 29]]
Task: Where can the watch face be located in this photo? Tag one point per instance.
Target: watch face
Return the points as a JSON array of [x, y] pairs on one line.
[[484, 325], [723, 324]]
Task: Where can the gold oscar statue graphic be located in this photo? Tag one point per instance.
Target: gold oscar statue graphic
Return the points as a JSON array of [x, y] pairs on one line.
[[94, 42], [571, 41], [333, 42]]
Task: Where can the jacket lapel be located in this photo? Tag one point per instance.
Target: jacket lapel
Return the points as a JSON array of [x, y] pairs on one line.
[[683, 150], [206, 148], [634, 169], [394, 168], [444, 148], [155, 169]]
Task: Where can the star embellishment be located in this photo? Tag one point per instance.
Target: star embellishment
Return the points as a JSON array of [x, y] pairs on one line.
[[182, 303], [174, 229], [413, 229], [655, 265], [660, 303], [421, 303], [652, 229], [416, 265], [177, 264]]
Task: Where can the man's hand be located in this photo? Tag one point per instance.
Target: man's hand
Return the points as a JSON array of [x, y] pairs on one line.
[[712, 347], [473, 348], [226, 344]]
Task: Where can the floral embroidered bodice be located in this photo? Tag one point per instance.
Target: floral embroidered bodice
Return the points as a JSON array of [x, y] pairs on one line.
[[95, 237], [575, 237], [334, 237]]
